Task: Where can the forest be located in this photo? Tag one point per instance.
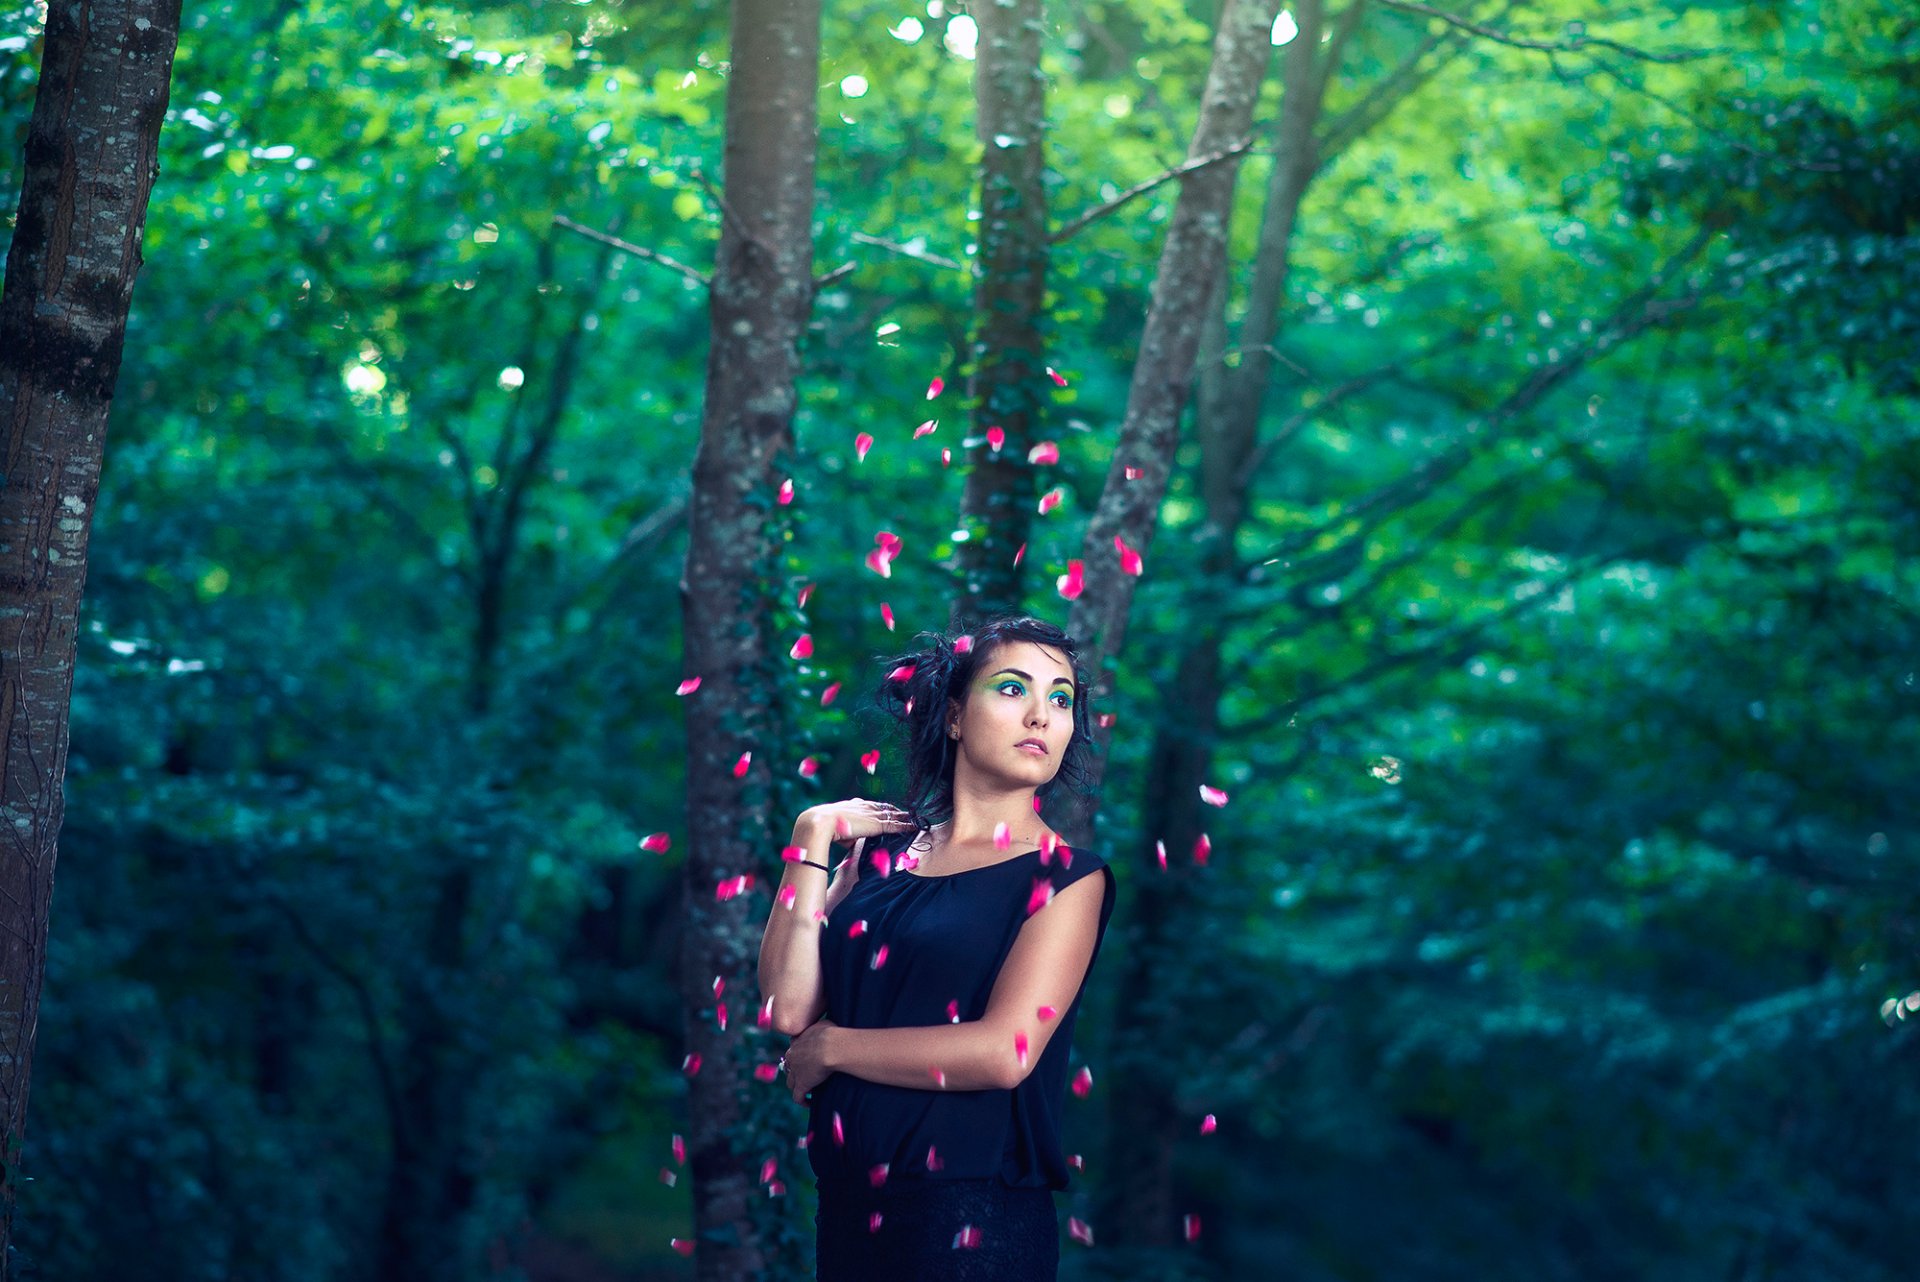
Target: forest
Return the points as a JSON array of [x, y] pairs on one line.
[[1477, 443]]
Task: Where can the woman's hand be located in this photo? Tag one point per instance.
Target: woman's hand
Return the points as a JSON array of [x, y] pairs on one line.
[[849, 820], [806, 1060]]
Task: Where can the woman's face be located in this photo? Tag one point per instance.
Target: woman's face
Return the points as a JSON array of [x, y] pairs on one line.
[[1018, 716]]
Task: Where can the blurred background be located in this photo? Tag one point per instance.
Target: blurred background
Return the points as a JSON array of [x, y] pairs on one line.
[[1550, 630]]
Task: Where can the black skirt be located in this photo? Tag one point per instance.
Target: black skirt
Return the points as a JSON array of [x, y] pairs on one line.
[[936, 1231]]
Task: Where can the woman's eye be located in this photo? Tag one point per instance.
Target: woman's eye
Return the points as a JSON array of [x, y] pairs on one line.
[[1064, 701], [1011, 685]]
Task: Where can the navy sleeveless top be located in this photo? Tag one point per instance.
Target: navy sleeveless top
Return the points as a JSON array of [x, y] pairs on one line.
[[946, 939]]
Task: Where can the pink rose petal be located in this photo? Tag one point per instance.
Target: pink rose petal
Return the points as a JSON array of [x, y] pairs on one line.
[[688, 686]]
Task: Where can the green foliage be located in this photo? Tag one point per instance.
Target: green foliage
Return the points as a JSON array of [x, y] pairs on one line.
[[1548, 931]]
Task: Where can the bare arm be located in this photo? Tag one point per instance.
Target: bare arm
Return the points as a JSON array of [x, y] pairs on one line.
[[790, 948], [1042, 973]]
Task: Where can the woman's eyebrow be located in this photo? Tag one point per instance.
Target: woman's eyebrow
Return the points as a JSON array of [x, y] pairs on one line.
[[1059, 681]]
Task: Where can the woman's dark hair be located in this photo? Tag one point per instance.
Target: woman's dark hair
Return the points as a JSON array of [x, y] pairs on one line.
[[914, 691]]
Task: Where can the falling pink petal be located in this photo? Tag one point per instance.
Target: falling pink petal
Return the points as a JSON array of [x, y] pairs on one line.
[[1106, 720], [786, 491], [946, 458], [877, 1175], [1044, 452], [889, 542], [719, 986], [869, 759], [933, 1159], [1076, 1162], [787, 895], [730, 887], [937, 386], [1002, 836], [1080, 1231], [826, 696], [793, 854], [904, 861], [967, 1239], [802, 648], [939, 1076], [767, 1169], [1212, 796], [1051, 500], [680, 1148], [681, 1244], [886, 615], [800, 601], [880, 563], [879, 958], [1082, 1082], [720, 1015], [963, 644], [1036, 803], [881, 863], [809, 767], [861, 444], [688, 686], [1049, 842], [1042, 893], [804, 1142], [766, 1072], [740, 766], [765, 1018], [668, 1177], [1020, 1048], [1207, 1125], [776, 1188], [843, 828], [953, 1010], [839, 1131], [873, 1222], [1160, 853], [691, 1064], [996, 437], [902, 673], [1190, 1225], [1046, 1013], [1129, 559], [909, 707], [1066, 854], [1201, 849], [657, 842], [926, 429], [1058, 381], [858, 929], [1071, 582], [1134, 473]]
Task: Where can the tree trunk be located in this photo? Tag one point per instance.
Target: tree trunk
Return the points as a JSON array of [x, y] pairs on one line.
[[1008, 387], [91, 158], [1141, 1208], [760, 297], [1190, 261]]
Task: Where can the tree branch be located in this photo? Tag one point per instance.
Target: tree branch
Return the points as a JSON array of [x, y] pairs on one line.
[[1142, 188], [1577, 41], [908, 251], [638, 251]]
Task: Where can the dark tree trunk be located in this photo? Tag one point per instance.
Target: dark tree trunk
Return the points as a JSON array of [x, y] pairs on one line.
[[1009, 383], [91, 158], [1190, 261], [761, 294]]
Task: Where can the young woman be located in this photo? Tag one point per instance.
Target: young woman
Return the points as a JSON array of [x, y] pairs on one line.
[[932, 980]]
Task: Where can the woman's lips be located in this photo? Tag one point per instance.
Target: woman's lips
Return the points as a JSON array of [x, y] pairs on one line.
[[1028, 745]]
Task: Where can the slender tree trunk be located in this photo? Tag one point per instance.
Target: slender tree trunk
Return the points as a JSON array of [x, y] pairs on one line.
[[1008, 388], [1190, 261], [91, 158], [1145, 1066], [761, 294]]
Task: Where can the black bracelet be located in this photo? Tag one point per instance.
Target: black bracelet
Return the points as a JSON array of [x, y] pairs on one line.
[[809, 863]]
